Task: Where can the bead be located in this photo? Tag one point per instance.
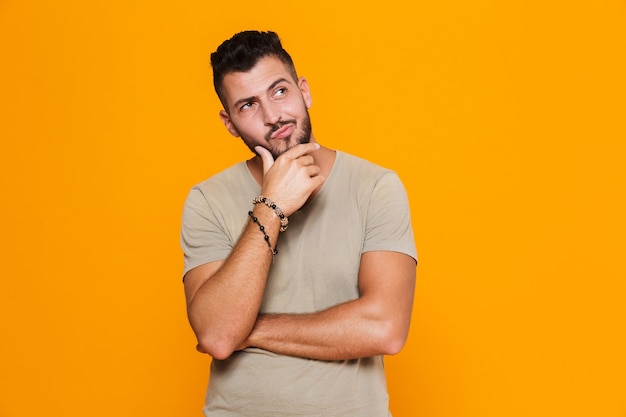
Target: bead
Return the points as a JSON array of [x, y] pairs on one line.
[[284, 220], [265, 235]]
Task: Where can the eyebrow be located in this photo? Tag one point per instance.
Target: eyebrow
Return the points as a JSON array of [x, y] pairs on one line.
[[248, 99]]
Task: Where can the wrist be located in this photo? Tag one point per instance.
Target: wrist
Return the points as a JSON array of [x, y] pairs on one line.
[[264, 230], [284, 220]]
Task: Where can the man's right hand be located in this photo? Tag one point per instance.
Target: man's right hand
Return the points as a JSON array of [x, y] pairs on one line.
[[290, 179]]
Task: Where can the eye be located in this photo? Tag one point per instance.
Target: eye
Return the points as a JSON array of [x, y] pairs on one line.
[[280, 92], [245, 106]]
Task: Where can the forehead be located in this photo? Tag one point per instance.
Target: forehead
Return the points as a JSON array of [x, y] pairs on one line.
[[255, 82]]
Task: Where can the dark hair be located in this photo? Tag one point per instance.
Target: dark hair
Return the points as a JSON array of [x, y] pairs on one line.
[[242, 52]]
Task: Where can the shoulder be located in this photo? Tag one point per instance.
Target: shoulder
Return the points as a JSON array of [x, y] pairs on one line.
[[229, 179], [361, 171], [357, 163], [372, 184], [225, 191]]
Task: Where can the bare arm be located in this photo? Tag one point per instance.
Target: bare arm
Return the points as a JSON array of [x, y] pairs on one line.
[[224, 297], [376, 323]]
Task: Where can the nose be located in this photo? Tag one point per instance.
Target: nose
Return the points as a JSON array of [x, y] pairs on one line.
[[271, 114]]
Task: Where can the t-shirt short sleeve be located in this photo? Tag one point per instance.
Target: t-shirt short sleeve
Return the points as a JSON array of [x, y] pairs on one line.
[[203, 238], [388, 226]]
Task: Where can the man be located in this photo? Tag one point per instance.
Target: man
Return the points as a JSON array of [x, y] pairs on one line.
[[300, 262]]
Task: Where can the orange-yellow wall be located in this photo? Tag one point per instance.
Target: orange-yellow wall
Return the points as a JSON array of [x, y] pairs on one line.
[[506, 121]]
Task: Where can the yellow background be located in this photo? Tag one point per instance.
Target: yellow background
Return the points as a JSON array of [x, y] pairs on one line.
[[506, 121]]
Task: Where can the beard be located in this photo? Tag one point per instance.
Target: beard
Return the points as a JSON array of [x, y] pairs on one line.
[[285, 144]]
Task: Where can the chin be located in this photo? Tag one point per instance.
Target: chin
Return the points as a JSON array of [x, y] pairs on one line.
[[290, 143]]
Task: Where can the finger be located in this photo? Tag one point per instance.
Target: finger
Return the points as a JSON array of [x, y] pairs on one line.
[[313, 171], [266, 158], [305, 160], [302, 149]]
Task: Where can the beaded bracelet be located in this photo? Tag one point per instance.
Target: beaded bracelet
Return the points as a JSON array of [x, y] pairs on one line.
[[265, 235], [284, 220]]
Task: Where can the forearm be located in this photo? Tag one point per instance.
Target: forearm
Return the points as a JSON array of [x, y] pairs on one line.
[[347, 331], [377, 323], [224, 308]]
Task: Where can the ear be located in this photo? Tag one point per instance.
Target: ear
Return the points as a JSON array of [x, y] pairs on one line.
[[303, 84], [229, 124]]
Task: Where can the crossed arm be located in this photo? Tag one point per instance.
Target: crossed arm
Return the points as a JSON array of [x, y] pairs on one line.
[[376, 323]]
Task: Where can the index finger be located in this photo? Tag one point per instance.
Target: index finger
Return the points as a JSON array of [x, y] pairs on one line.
[[301, 149]]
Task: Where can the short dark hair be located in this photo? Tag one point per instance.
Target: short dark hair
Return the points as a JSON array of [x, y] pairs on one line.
[[242, 52]]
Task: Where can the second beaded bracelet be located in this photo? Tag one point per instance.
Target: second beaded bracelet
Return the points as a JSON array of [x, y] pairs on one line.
[[265, 235]]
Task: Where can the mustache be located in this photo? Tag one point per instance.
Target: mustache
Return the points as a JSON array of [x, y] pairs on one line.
[[277, 126]]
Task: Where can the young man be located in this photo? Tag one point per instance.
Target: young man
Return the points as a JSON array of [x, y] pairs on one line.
[[300, 262]]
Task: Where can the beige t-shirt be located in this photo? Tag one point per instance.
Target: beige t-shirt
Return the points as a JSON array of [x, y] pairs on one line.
[[361, 208]]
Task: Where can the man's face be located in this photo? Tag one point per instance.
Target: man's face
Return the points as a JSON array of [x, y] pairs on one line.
[[267, 107]]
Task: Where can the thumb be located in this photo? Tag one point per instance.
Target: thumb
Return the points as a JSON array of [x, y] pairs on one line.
[[266, 157]]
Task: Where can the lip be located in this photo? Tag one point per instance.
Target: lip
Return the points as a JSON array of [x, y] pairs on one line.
[[283, 132]]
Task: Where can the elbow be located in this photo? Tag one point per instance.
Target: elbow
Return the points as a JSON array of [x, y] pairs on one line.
[[216, 349], [392, 339], [218, 343], [393, 346]]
